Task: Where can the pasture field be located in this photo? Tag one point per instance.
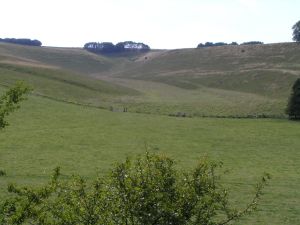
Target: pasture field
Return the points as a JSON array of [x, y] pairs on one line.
[[87, 141]]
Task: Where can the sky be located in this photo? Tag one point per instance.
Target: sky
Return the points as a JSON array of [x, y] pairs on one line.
[[162, 24]]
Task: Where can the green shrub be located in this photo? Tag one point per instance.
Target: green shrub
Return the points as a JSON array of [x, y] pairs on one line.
[[2, 173], [9, 102], [146, 190]]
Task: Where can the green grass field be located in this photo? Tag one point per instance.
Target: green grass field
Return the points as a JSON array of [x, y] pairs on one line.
[[62, 124], [83, 140]]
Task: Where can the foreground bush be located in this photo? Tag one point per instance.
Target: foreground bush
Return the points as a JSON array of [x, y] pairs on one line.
[[146, 190]]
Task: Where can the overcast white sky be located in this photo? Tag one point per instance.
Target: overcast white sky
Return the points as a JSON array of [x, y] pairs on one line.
[[159, 23]]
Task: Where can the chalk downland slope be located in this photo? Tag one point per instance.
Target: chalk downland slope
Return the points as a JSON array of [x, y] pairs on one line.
[[228, 80], [217, 81], [60, 74]]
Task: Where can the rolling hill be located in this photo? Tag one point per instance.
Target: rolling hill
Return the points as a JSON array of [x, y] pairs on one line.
[[237, 81]]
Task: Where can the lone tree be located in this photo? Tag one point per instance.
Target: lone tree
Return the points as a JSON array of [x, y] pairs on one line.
[[293, 108], [296, 31]]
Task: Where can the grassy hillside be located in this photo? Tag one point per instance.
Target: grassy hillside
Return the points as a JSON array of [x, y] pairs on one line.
[[73, 59], [64, 85], [259, 69], [217, 81], [246, 79], [84, 140]]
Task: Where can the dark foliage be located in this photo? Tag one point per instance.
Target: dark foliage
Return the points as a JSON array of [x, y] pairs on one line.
[[2, 173], [296, 31], [211, 44], [104, 47], [108, 47], [22, 41], [293, 108], [253, 43]]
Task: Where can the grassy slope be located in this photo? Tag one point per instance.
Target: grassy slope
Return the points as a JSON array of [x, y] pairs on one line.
[[218, 81], [84, 140], [73, 59], [160, 98], [258, 69], [59, 74], [260, 75]]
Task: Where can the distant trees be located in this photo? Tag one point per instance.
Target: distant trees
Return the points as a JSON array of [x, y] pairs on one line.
[[108, 47], [104, 47], [21, 41], [253, 43], [293, 108], [211, 44], [296, 31]]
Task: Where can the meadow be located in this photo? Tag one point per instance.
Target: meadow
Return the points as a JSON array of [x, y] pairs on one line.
[[66, 122], [87, 141]]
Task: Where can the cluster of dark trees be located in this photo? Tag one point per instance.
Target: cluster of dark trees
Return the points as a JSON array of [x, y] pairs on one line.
[[21, 41], [108, 47], [293, 108], [253, 43], [211, 44], [296, 31]]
